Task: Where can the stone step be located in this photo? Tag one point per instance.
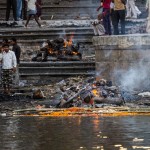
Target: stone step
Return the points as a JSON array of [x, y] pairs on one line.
[[27, 76], [31, 46], [20, 91], [77, 36], [59, 16], [57, 64], [45, 72], [48, 25], [39, 79], [69, 9], [74, 3], [64, 2], [56, 68], [45, 30], [31, 39], [65, 9]]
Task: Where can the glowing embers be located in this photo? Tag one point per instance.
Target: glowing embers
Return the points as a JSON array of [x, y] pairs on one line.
[[68, 43], [95, 92]]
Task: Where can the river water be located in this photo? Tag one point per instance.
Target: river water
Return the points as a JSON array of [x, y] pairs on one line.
[[75, 133]]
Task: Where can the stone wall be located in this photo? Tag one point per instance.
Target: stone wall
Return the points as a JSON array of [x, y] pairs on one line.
[[123, 59]]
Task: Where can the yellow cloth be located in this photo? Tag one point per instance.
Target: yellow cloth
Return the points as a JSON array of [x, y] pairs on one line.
[[118, 5]]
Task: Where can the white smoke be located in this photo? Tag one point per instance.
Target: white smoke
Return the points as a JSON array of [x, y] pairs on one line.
[[136, 77]]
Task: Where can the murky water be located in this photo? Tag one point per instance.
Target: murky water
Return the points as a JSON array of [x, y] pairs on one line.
[[75, 133]]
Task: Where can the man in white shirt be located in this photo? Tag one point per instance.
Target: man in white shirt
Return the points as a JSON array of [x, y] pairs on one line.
[[9, 64]]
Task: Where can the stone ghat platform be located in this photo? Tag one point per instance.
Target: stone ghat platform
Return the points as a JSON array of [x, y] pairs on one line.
[[30, 40], [40, 73], [124, 59], [47, 33], [66, 9], [72, 112]]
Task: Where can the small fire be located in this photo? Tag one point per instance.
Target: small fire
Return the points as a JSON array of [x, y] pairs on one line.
[[50, 51], [65, 44], [68, 42], [74, 53], [95, 92]]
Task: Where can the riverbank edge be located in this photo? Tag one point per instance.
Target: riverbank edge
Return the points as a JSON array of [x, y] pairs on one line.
[[74, 111]]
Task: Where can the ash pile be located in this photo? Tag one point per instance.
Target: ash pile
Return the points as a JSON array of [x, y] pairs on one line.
[[59, 49]]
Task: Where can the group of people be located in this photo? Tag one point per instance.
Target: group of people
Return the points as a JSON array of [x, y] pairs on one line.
[[115, 12], [19, 6], [9, 62]]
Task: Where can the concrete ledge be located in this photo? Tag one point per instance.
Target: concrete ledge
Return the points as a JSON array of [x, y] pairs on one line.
[[130, 41], [60, 23], [125, 59], [41, 75]]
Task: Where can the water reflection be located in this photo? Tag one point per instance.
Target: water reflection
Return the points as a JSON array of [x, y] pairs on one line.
[[75, 133]]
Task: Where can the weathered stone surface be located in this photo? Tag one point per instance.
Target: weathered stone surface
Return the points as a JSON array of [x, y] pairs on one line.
[[131, 41], [123, 58]]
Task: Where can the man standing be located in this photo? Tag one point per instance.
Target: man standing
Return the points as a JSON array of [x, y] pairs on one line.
[[19, 10], [39, 9], [148, 23], [13, 4], [8, 68], [105, 4], [17, 50], [119, 16]]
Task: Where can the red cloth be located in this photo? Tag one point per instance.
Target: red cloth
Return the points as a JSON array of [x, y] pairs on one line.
[[106, 4]]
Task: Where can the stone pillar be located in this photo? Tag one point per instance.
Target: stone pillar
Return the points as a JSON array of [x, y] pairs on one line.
[[123, 57]]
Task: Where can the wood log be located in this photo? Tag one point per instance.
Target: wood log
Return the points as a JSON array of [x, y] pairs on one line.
[[73, 97], [101, 100]]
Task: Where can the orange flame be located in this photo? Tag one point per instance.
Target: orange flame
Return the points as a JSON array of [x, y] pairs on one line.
[[95, 92], [69, 42], [50, 51], [74, 53]]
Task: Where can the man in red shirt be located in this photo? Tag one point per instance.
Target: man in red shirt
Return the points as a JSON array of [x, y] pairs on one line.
[[105, 4]]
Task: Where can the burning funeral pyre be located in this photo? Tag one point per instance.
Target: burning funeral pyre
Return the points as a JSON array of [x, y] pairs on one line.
[[59, 49], [82, 92], [75, 92], [89, 92]]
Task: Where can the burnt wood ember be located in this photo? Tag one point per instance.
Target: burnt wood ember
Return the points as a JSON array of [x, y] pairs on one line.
[[90, 93], [60, 49], [116, 101], [38, 94]]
